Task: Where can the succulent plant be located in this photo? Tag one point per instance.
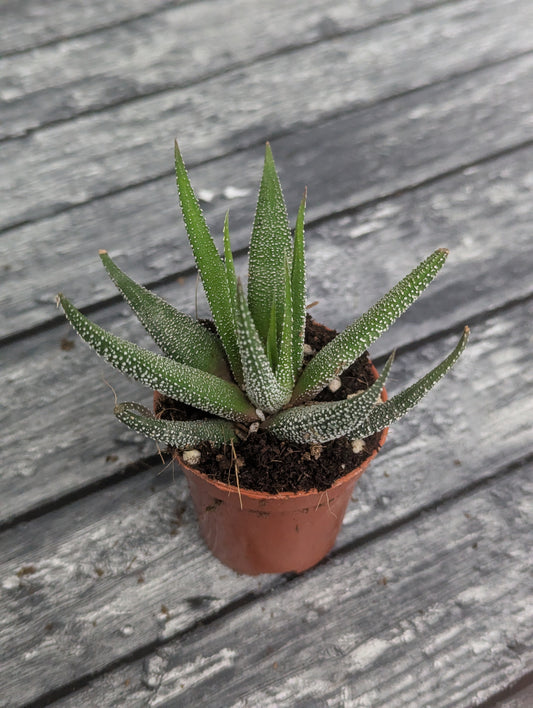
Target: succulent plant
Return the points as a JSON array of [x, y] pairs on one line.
[[251, 373]]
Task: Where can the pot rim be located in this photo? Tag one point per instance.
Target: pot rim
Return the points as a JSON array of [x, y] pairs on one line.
[[254, 494]]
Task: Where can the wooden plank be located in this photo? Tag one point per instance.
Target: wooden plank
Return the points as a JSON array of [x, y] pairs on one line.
[[183, 45], [80, 565], [27, 27], [72, 163], [106, 581], [61, 393], [437, 612], [26, 24], [383, 149]]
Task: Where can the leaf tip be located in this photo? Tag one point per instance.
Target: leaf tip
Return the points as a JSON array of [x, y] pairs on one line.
[[445, 251], [177, 152], [102, 252]]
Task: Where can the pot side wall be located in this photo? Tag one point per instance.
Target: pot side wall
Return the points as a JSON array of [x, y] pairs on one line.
[[254, 533]]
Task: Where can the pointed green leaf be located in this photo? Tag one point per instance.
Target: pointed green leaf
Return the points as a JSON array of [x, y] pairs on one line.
[[284, 370], [347, 346], [181, 337], [185, 383], [208, 262], [392, 410], [270, 245], [261, 385], [321, 422], [298, 289], [232, 285], [179, 433]]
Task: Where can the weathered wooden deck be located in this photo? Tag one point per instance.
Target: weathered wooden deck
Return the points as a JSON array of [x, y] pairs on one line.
[[411, 122]]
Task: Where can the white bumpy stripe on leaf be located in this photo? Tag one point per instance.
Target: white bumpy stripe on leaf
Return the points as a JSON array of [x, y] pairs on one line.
[[230, 266], [322, 422], [185, 383], [271, 347], [347, 346], [392, 410], [179, 433], [284, 368], [298, 289], [262, 387]]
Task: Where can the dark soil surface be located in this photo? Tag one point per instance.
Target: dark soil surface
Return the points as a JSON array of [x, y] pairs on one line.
[[268, 464]]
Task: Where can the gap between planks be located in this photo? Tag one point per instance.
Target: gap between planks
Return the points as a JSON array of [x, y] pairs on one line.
[[276, 134], [309, 35], [92, 29], [97, 173], [433, 165]]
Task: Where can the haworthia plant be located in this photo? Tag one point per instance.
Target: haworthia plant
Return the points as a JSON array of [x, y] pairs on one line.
[[251, 373]]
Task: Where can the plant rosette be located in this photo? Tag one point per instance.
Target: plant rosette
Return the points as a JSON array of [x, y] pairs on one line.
[[251, 374]]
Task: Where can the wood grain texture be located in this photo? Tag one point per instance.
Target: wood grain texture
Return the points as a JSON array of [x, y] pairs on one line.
[[26, 24], [437, 611], [85, 158], [381, 150], [111, 581], [176, 46], [410, 123], [55, 391], [83, 561]]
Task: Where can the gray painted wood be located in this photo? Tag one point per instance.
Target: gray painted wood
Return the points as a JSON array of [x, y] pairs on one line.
[[176, 46], [410, 134], [87, 557], [385, 148], [26, 24], [67, 391], [436, 613], [72, 163]]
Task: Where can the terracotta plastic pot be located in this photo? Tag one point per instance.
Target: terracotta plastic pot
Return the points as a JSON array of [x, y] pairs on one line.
[[255, 532]]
